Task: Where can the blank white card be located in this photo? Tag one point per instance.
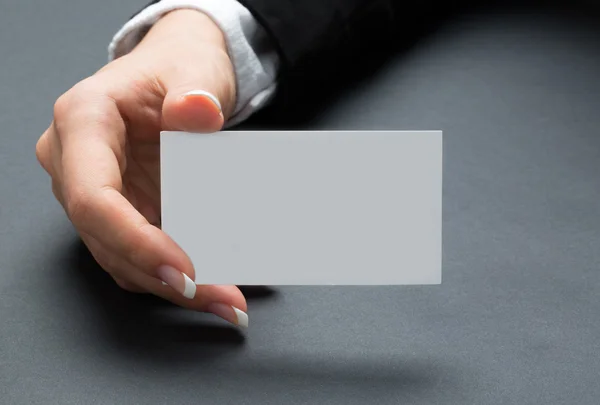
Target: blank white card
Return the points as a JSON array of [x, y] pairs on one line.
[[306, 207]]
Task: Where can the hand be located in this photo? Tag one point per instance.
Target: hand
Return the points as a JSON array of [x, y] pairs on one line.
[[102, 153]]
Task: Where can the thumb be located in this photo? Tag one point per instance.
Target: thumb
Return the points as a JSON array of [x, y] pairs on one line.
[[200, 102]]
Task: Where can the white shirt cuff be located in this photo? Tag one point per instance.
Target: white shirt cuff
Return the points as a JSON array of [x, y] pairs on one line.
[[255, 62]]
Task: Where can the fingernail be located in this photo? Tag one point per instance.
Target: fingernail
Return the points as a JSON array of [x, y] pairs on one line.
[[177, 280], [229, 313], [206, 94]]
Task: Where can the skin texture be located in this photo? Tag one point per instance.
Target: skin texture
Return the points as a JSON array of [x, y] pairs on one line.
[[101, 150]]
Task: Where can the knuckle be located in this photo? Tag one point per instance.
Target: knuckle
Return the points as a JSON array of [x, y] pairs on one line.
[[87, 98], [101, 259], [40, 151], [43, 150], [126, 285], [136, 253], [78, 208], [122, 283], [107, 262], [97, 252], [87, 89], [61, 105]]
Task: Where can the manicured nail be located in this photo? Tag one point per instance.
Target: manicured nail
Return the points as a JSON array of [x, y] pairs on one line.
[[229, 313], [177, 280], [206, 94]]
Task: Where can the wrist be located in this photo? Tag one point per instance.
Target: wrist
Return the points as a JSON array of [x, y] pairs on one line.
[[183, 41], [190, 36], [184, 26]]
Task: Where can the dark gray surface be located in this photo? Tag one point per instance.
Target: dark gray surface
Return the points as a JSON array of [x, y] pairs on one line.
[[515, 320]]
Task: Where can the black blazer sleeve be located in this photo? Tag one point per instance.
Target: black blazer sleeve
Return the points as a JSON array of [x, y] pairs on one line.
[[323, 42], [300, 29], [327, 45]]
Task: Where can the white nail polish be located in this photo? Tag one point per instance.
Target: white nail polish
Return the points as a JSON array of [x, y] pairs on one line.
[[177, 280], [212, 97], [229, 313], [242, 317], [190, 287]]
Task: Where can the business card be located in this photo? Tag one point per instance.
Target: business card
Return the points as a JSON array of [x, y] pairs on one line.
[[306, 207]]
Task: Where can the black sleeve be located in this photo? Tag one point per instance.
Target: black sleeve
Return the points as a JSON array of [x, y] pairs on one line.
[[324, 43], [328, 45], [301, 29]]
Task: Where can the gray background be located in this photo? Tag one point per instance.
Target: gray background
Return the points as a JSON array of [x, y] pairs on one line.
[[515, 320]]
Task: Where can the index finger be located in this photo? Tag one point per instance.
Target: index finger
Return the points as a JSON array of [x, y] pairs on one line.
[[93, 140]]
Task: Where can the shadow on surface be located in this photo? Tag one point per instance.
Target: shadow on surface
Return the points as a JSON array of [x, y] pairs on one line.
[[354, 377], [138, 328], [252, 292], [143, 329], [144, 323], [355, 368]]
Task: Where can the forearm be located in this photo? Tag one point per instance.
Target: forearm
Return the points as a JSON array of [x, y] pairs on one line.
[[184, 25]]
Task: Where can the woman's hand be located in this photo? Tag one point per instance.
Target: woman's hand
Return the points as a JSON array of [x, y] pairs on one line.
[[102, 153]]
